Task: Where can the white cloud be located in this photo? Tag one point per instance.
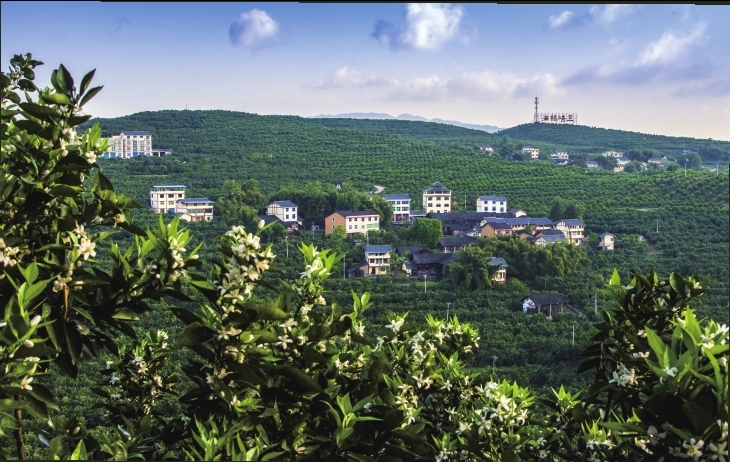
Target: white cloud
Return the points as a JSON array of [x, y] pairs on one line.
[[346, 76], [427, 27], [255, 29], [602, 15], [485, 85], [560, 20], [608, 14], [667, 61], [670, 46]]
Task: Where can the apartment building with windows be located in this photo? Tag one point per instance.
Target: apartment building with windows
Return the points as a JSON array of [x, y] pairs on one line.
[[163, 198], [378, 259], [195, 209], [492, 204], [436, 199], [353, 222], [129, 144], [573, 229], [283, 210], [532, 151], [401, 204]]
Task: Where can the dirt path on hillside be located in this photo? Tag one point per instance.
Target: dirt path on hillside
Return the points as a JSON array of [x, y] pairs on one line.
[[378, 189]]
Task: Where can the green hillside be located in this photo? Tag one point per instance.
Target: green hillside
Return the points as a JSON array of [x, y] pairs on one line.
[[442, 134], [593, 140], [212, 146]]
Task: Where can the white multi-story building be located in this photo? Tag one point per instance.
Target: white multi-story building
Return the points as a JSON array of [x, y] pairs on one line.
[[532, 151], [164, 198], [378, 259], [401, 204], [492, 204], [129, 144], [615, 154], [559, 154], [285, 211], [573, 229], [436, 199], [195, 209]]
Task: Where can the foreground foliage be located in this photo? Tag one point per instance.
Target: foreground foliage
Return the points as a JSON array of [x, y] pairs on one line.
[[280, 371]]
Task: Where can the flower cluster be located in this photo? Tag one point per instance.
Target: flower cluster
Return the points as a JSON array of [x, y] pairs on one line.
[[137, 376], [245, 264]]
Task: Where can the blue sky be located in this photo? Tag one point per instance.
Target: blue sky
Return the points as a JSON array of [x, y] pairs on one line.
[[656, 69]]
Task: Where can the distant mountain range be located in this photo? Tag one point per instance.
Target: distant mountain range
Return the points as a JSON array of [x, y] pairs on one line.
[[383, 116]]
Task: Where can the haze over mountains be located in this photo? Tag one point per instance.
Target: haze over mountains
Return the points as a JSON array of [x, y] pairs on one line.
[[383, 116]]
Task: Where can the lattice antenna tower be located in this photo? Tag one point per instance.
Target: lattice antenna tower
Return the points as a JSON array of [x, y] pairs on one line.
[[537, 117]]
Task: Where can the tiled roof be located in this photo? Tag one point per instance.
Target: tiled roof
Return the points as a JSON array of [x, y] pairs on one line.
[[431, 258], [493, 198], [378, 249], [498, 261], [361, 213], [546, 299], [572, 222], [436, 188], [409, 249], [498, 225], [196, 200], [396, 197], [522, 221], [456, 241], [169, 186], [284, 203]]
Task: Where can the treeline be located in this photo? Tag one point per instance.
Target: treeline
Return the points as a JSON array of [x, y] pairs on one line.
[[589, 140]]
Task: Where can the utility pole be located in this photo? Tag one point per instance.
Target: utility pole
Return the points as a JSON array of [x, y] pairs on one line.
[[494, 362], [287, 245], [573, 343], [595, 302], [657, 225], [685, 167], [448, 304], [425, 278]]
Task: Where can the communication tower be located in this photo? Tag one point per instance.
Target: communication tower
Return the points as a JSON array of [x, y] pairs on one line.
[[537, 115]]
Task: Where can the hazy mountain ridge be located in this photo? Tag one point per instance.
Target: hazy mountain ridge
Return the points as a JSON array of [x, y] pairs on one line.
[[413, 118]]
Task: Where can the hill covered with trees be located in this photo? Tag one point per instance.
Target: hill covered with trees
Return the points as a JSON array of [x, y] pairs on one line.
[[289, 364]]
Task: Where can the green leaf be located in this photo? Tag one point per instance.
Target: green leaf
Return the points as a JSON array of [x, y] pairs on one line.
[[63, 79], [42, 393], [80, 452], [62, 190], [58, 447], [186, 316], [38, 111], [195, 334], [85, 81], [298, 376], [90, 95], [268, 311], [56, 98], [655, 342]]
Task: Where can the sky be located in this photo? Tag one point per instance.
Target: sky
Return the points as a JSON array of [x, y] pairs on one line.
[[661, 69]]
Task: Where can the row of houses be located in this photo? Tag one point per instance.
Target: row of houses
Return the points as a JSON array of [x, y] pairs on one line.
[[491, 218], [423, 263]]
